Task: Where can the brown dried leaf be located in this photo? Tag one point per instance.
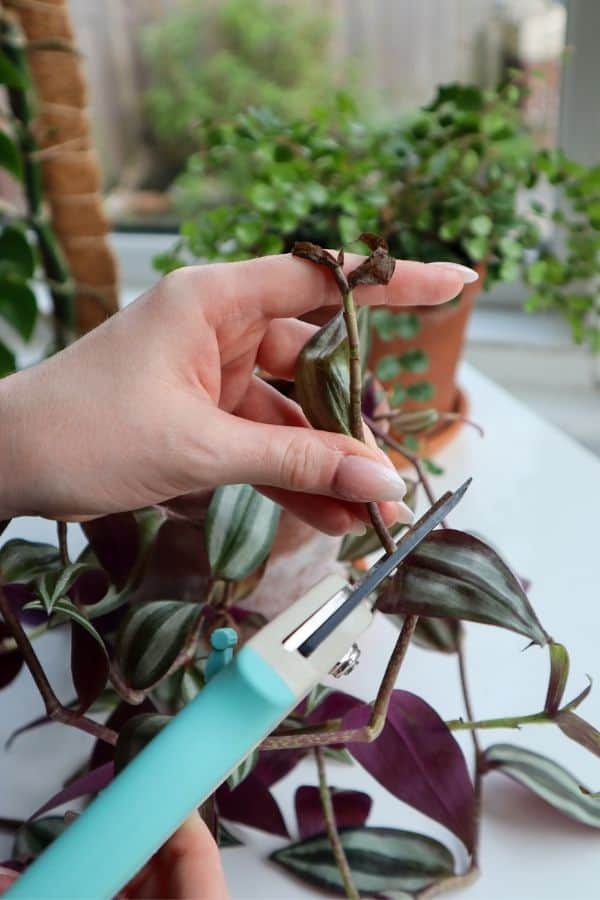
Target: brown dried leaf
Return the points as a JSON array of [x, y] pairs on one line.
[[378, 268], [373, 241], [315, 254]]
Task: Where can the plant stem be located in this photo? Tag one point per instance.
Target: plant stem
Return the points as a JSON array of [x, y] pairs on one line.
[[61, 530], [540, 718], [54, 708], [324, 735], [332, 832]]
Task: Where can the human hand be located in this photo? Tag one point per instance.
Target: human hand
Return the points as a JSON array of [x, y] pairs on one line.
[[162, 400], [188, 865]]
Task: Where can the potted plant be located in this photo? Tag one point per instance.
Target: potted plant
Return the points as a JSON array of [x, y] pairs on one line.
[[138, 655], [459, 180], [139, 617]]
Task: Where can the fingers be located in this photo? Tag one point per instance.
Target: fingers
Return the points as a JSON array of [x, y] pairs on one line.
[[281, 345], [193, 864], [282, 286], [333, 517], [301, 459], [263, 403]]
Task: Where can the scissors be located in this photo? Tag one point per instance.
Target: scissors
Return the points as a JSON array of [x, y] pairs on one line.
[[247, 695]]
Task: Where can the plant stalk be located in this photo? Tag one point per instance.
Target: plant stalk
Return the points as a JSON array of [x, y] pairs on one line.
[[54, 708], [332, 832]]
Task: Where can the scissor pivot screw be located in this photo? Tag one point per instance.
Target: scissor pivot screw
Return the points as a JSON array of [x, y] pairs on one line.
[[347, 663]]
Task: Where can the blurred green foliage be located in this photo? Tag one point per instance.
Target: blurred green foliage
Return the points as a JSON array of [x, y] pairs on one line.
[[452, 181], [209, 61]]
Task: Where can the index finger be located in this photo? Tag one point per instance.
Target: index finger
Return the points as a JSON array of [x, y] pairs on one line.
[[284, 285]]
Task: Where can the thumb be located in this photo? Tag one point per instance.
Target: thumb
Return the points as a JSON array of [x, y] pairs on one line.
[[303, 459]]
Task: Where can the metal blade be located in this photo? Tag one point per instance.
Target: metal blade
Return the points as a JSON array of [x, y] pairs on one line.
[[386, 565]]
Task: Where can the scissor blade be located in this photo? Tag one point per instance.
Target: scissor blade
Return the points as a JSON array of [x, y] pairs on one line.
[[386, 565]]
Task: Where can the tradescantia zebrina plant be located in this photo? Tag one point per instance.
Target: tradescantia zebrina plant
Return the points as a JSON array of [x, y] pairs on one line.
[[148, 588]]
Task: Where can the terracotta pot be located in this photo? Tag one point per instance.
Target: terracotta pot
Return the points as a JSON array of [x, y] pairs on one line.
[[441, 336]]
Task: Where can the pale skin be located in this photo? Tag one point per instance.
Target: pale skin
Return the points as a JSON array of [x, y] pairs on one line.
[[162, 400]]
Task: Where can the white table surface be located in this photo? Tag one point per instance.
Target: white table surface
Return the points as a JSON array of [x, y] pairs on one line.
[[535, 495]]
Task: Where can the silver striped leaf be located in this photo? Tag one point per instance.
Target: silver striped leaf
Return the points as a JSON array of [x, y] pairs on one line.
[[548, 780], [453, 575], [150, 639], [382, 860], [239, 530]]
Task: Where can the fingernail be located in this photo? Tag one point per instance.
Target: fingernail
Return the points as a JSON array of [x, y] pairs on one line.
[[405, 514], [469, 275], [358, 528], [363, 479]]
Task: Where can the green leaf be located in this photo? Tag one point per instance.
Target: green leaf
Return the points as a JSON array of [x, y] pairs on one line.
[[398, 395], [559, 673], [382, 860], [476, 247], [9, 156], [547, 780], [414, 361], [432, 467], [481, 225], [176, 690], [453, 575], [322, 378], [421, 391], [23, 561], [388, 367], [53, 586], [16, 255], [18, 306], [390, 324], [68, 609], [10, 75], [134, 736], [150, 639], [8, 363], [243, 770], [33, 837], [239, 530]]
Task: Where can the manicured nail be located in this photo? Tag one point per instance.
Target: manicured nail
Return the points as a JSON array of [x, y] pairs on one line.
[[469, 275], [405, 514], [363, 479], [358, 528]]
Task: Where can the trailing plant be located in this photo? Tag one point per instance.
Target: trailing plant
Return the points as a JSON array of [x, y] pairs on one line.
[[460, 179], [138, 654]]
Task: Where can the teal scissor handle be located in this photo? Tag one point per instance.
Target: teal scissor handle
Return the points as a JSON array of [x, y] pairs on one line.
[[103, 848]]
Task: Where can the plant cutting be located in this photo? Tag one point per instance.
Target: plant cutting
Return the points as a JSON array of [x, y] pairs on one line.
[[144, 659], [460, 180]]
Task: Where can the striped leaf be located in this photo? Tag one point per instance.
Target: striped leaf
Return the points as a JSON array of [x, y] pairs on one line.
[[226, 838], [23, 561], [548, 780], [134, 736], [322, 378], [33, 837], [53, 586], [382, 860], [243, 770], [150, 639], [453, 575], [434, 634], [239, 530], [68, 609]]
